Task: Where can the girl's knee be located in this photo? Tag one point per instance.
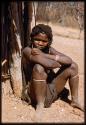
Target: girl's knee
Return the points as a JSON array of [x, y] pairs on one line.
[[74, 68], [39, 69]]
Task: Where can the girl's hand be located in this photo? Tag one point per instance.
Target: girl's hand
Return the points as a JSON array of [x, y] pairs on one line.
[[36, 51]]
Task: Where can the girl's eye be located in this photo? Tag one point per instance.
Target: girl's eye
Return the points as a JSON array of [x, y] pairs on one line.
[[39, 40]]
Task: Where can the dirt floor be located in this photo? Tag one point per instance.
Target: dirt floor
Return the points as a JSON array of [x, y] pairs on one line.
[[14, 110]]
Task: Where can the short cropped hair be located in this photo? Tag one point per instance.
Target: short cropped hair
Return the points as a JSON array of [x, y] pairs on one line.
[[42, 28]]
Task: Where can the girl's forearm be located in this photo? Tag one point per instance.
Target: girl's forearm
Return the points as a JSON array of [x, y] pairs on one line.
[[59, 58], [46, 62]]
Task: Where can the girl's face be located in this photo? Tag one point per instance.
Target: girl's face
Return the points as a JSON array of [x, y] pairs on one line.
[[40, 41]]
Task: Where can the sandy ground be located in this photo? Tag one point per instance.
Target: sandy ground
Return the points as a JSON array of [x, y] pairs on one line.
[[14, 110]]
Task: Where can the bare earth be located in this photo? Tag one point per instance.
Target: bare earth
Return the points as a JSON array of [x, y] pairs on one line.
[[16, 111]]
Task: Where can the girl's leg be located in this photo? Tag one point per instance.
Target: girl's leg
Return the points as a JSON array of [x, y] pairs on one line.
[[39, 84], [69, 73]]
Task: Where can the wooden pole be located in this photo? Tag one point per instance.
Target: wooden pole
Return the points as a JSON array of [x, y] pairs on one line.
[[16, 49]]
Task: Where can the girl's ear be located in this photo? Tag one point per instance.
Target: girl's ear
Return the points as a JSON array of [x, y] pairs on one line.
[[49, 43]]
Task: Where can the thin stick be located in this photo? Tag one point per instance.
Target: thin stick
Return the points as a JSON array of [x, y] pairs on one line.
[[4, 62]]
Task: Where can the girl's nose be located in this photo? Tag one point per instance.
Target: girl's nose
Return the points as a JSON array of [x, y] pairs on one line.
[[40, 43]]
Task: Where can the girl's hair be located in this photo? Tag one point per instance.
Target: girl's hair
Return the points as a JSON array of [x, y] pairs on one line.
[[42, 28]]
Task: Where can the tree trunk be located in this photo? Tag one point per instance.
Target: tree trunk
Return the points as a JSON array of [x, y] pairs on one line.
[[16, 46], [27, 22], [14, 37]]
